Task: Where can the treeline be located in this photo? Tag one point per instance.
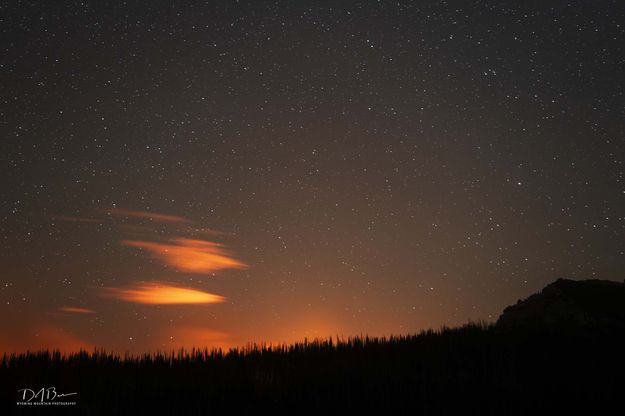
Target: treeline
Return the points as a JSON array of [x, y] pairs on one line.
[[475, 369]]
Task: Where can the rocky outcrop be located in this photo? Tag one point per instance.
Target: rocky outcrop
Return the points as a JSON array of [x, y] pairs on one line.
[[586, 303]]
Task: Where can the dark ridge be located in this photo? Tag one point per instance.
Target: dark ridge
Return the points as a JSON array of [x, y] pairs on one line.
[[569, 303]]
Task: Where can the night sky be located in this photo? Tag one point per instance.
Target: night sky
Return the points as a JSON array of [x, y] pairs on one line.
[[223, 172]]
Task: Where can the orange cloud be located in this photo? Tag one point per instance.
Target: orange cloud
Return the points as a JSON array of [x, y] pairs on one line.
[[74, 309], [147, 215], [189, 255], [163, 294]]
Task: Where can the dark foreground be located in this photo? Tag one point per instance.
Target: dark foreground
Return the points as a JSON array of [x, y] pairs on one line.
[[476, 369]]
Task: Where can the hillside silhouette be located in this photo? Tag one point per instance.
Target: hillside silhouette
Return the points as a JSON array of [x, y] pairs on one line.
[[584, 304], [559, 351]]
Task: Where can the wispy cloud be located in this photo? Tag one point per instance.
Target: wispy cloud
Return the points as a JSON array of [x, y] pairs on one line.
[[208, 231], [75, 309], [147, 215], [163, 294], [68, 218], [190, 255]]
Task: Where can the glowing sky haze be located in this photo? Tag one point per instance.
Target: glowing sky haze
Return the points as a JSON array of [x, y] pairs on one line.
[[215, 173]]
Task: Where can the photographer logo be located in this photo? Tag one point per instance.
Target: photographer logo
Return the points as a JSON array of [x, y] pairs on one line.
[[45, 396]]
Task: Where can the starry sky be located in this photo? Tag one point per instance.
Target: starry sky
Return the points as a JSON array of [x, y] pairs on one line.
[[217, 173]]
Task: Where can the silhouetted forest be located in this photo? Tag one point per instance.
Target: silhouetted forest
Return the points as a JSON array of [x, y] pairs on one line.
[[475, 369]]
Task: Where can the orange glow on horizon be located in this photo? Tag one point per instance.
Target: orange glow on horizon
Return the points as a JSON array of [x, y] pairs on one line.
[[199, 337], [163, 294], [44, 338], [190, 255]]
